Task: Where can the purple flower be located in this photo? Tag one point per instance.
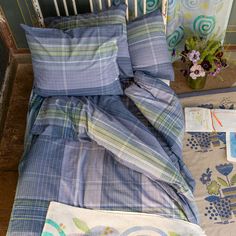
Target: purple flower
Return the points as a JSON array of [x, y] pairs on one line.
[[197, 71], [217, 63], [219, 54], [206, 65], [173, 53], [217, 70], [223, 62], [213, 73], [206, 177], [194, 56]]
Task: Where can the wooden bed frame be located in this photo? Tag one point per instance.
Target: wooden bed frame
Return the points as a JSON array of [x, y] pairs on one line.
[[134, 9]]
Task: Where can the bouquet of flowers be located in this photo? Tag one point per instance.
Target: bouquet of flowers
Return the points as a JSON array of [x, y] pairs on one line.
[[202, 57]]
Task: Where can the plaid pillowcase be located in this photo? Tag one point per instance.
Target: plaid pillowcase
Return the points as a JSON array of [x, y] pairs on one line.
[[113, 15], [78, 62], [148, 47]]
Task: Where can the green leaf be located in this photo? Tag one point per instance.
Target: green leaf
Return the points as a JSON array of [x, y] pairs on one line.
[[233, 180], [191, 43], [81, 225], [222, 182], [210, 49], [210, 58]]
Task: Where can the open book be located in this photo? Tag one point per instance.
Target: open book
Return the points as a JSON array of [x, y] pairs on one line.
[[198, 119]]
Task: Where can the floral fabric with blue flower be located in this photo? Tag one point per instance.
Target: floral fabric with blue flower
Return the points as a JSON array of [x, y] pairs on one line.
[[205, 156]]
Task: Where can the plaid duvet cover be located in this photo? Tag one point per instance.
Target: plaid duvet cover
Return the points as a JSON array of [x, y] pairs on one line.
[[104, 152]]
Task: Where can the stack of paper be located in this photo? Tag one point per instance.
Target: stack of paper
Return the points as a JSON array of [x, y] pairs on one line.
[[199, 119]]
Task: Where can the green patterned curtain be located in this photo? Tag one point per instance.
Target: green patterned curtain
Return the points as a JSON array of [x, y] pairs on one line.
[[206, 17], [151, 5]]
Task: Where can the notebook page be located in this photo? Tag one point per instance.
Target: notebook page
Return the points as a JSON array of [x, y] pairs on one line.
[[224, 120], [198, 119]]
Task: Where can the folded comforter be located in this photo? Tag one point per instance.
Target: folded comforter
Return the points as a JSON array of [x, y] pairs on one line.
[[67, 220], [104, 152]]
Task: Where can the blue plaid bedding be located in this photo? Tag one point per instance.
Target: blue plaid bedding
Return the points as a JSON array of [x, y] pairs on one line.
[[104, 152]]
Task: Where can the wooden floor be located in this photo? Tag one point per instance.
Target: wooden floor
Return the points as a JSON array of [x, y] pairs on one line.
[[11, 145]]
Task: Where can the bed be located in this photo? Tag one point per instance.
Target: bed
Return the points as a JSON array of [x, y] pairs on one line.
[[102, 156]]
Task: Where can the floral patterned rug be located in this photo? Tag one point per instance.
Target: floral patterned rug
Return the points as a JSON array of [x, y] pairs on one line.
[[205, 155]]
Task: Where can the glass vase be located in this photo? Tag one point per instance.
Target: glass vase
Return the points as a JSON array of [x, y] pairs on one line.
[[198, 83]]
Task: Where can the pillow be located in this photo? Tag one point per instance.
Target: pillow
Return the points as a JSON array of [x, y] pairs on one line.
[[78, 62], [114, 15], [148, 47]]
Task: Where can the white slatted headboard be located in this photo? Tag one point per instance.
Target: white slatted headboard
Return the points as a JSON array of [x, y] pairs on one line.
[[40, 17]]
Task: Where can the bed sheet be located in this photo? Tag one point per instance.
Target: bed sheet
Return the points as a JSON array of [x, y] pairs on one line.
[[205, 156], [104, 152]]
